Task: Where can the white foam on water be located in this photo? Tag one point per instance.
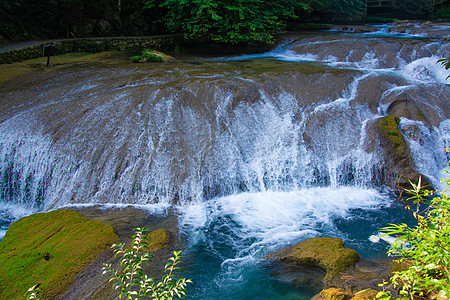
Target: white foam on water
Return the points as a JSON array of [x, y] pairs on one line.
[[376, 238], [153, 208], [428, 148], [256, 223], [425, 70]]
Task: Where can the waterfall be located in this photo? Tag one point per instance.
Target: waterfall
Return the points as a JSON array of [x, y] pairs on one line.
[[293, 118], [251, 152]]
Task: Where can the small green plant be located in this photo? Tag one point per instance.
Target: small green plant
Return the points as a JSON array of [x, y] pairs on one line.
[[426, 247], [446, 63], [137, 58], [132, 281], [33, 293], [384, 294], [150, 55], [393, 132], [147, 56]]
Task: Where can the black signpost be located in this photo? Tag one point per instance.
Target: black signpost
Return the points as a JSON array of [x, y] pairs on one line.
[[47, 51]]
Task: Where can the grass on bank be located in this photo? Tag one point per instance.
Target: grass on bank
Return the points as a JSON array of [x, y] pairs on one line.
[[53, 247]]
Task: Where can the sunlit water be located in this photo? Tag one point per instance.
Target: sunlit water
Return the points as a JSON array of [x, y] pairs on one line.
[[251, 153]]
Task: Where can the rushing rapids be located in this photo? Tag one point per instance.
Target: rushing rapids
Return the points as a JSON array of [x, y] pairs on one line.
[[254, 151]]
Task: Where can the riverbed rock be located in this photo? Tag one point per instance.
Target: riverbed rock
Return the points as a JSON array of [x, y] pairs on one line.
[[333, 294], [406, 108], [324, 252], [49, 249], [159, 239], [367, 294]]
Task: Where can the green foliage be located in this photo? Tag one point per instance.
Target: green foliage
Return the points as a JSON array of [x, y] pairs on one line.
[[33, 293], [446, 63], [137, 58], [426, 246], [132, 281], [150, 55], [147, 56], [443, 13], [229, 21]]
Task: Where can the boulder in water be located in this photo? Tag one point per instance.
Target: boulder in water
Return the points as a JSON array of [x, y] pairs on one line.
[[324, 252], [333, 294]]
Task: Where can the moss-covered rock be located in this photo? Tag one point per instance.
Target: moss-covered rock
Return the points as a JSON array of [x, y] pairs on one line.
[[388, 127], [50, 249], [399, 165], [333, 294], [324, 252], [367, 294], [159, 239]]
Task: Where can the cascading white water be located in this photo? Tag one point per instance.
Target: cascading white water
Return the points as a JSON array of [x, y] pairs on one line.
[[253, 152]]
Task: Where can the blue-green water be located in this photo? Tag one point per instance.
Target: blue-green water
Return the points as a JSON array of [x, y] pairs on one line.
[[228, 238]]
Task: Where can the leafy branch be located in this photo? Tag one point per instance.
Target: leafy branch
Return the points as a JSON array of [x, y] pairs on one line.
[[425, 247], [132, 281]]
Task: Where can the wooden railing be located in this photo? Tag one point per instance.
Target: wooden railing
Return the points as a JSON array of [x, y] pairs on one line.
[[394, 3], [380, 3]]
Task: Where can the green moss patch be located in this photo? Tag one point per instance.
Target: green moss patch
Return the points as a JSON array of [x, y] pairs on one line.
[[388, 127], [333, 294], [50, 249], [324, 252], [367, 294], [159, 239]]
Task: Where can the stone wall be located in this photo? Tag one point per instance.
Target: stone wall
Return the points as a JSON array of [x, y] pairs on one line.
[[94, 45]]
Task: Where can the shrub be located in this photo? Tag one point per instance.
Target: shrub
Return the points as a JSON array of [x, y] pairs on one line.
[[426, 247], [147, 56], [137, 58], [132, 281]]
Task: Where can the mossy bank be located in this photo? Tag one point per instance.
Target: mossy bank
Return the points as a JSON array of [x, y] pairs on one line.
[[95, 45], [49, 249]]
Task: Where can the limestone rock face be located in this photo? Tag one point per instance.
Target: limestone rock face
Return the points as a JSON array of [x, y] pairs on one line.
[[49, 249], [324, 252]]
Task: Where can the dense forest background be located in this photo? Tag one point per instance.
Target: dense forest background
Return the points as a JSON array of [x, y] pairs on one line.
[[231, 21]]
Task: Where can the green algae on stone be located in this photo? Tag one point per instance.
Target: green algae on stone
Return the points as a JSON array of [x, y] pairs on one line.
[[50, 249], [388, 126], [367, 294], [333, 294], [324, 252], [159, 239]]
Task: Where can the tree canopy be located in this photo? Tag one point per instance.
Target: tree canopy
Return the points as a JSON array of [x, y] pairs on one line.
[[229, 20]]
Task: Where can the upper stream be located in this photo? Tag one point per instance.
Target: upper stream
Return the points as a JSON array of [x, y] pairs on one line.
[[252, 152]]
